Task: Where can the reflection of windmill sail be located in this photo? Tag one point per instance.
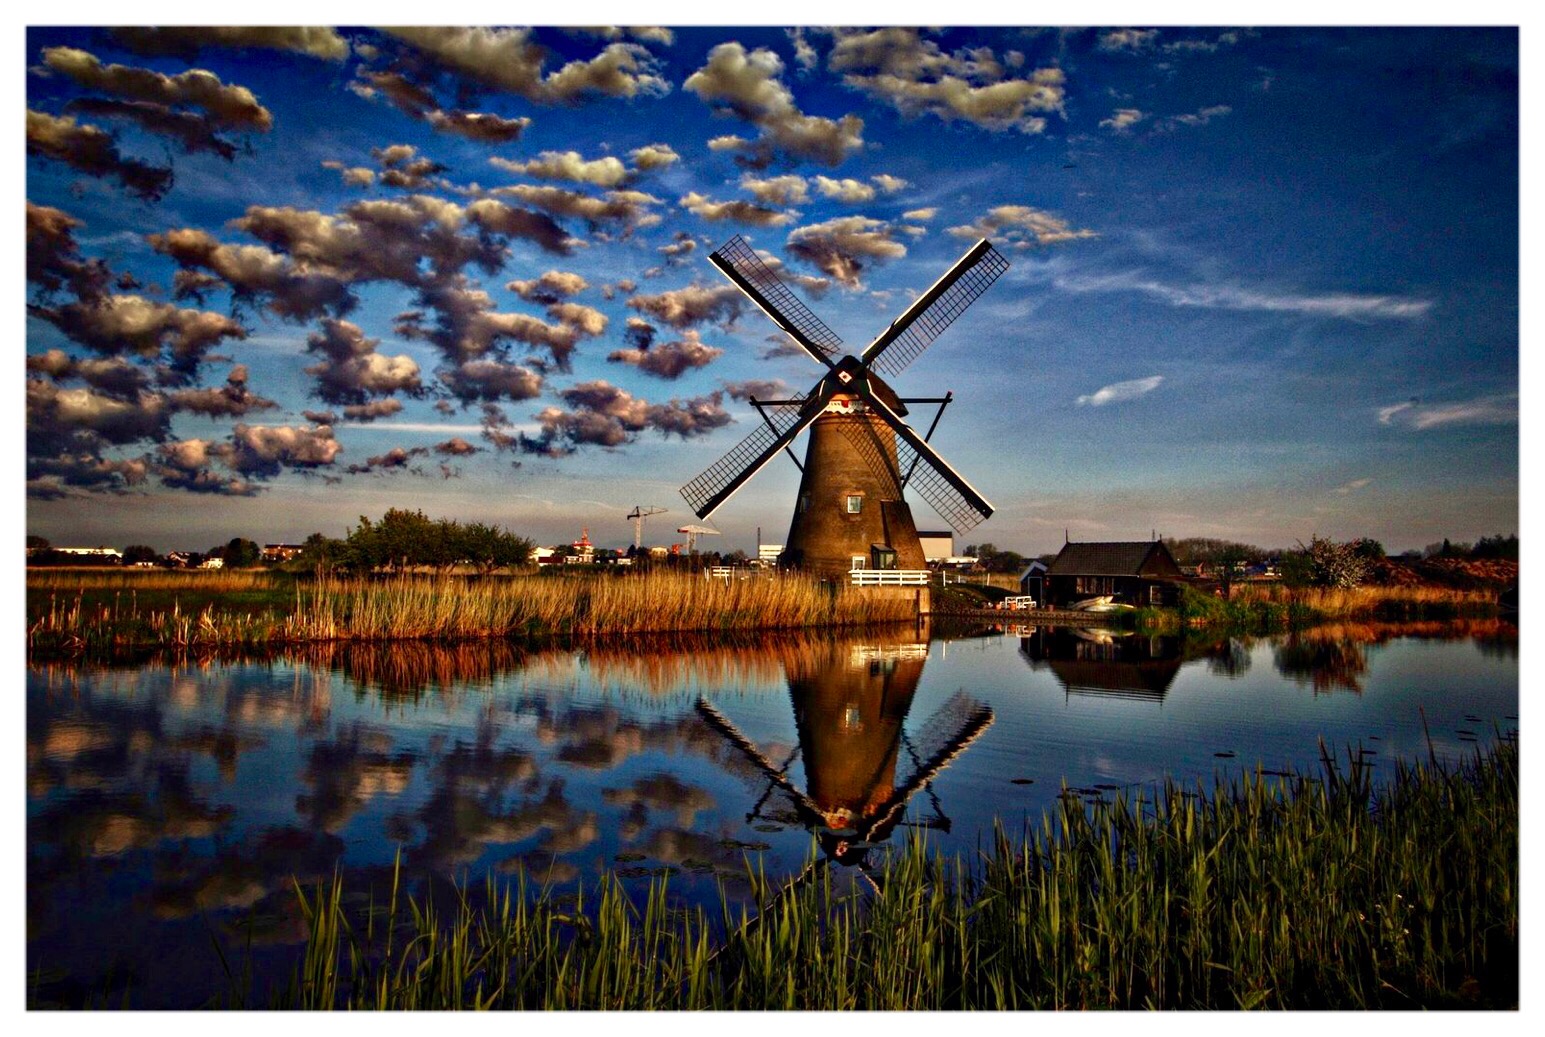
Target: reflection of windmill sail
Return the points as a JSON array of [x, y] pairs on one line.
[[925, 320], [850, 705], [732, 734]]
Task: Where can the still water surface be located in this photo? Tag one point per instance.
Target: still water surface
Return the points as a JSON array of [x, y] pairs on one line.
[[170, 806]]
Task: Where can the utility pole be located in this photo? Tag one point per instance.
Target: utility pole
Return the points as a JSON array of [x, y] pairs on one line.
[[638, 514]]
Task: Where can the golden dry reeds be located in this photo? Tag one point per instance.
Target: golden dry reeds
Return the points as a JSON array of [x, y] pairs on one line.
[[106, 614]]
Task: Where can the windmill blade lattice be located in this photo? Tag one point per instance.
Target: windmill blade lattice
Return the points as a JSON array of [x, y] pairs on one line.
[[725, 475], [935, 487], [740, 263], [936, 309]]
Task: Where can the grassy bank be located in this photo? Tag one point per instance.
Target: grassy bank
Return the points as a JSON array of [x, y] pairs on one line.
[[122, 612], [1306, 892], [1271, 608]]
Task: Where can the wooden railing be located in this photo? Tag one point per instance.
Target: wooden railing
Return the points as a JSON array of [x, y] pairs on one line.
[[889, 577]]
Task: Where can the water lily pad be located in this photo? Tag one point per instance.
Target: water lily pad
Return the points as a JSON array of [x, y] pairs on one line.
[[628, 858]]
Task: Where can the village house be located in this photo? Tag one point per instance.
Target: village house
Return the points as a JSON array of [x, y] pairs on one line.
[[1136, 573]]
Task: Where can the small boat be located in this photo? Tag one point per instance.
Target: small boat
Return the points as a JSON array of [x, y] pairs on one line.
[[1104, 603]]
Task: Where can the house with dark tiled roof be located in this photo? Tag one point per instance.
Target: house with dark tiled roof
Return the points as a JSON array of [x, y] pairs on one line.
[[1135, 573]]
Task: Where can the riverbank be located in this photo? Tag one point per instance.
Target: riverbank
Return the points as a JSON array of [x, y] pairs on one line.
[[1304, 892], [122, 613]]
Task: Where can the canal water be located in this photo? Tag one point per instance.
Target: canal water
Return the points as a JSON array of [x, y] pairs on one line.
[[171, 807]]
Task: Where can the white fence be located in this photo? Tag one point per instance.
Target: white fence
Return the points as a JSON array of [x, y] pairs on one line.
[[889, 577]]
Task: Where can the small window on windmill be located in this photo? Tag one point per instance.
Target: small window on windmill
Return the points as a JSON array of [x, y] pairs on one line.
[[882, 557], [855, 503], [857, 562], [804, 502]]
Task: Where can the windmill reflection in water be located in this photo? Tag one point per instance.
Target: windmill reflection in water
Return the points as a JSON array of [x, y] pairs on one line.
[[851, 703]]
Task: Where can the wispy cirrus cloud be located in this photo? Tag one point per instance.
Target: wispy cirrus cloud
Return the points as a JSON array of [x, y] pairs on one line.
[[1346, 305], [1483, 410], [1349, 488], [1120, 392]]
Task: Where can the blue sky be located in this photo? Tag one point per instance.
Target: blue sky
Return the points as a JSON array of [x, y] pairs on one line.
[[1264, 283]]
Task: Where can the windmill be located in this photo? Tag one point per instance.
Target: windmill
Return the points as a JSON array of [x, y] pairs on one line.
[[639, 513], [851, 512]]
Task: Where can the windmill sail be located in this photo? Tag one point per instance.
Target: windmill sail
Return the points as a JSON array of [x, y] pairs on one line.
[[740, 263], [726, 475], [945, 489], [925, 320]]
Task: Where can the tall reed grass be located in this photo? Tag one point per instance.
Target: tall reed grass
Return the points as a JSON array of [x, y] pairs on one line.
[[1308, 892], [444, 608], [1264, 608]]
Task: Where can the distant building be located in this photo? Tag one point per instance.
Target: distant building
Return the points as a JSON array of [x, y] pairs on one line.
[[1033, 581], [99, 554], [1129, 573], [212, 563], [545, 556], [281, 552], [768, 554], [937, 544]]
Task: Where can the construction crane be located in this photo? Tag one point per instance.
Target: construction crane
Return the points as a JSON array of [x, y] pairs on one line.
[[639, 513], [693, 532]]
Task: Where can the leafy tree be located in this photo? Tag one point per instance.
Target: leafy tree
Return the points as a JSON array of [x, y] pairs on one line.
[[489, 547], [1369, 548], [1332, 564], [37, 543], [239, 553], [321, 554], [136, 553], [1496, 547]]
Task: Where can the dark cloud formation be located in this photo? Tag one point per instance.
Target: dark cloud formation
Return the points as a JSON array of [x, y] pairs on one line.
[[760, 388], [508, 60], [117, 324], [194, 132], [352, 371], [489, 380], [736, 209], [750, 86], [262, 451], [455, 447], [845, 247], [225, 105], [92, 150], [232, 400], [695, 304], [187, 465], [553, 286], [402, 166], [372, 410], [639, 334], [394, 459], [900, 66], [83, 420], [603, 415], [669, 360], [54, 261], [418, 102]]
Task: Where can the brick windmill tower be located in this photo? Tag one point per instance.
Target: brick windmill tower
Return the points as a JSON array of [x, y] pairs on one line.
[[851, 512]]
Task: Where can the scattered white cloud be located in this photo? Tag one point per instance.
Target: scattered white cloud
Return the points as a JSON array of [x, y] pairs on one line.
[[1120, 392], [1348, 488], [1123, 119], [1229, 297], [1484, 410]]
